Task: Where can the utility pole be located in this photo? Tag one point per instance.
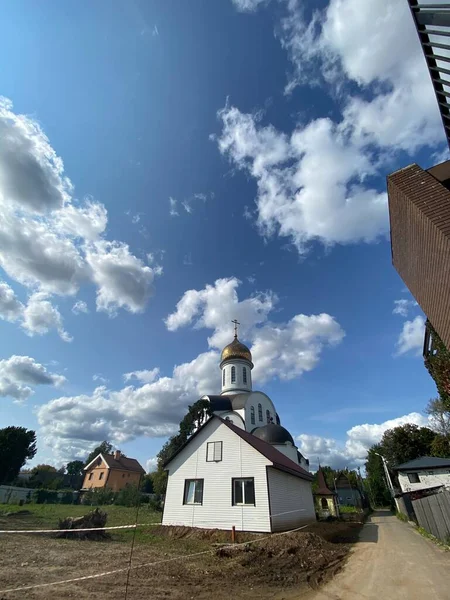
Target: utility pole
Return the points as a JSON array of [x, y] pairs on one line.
[[387, 474]]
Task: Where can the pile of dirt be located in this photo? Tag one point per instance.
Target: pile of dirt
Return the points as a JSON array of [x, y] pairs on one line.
[[286, 559], [205, 535], [93, 520]]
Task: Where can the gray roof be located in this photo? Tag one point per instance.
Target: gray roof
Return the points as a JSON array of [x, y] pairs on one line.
[[273, 434], [220, 403], [424, 462]]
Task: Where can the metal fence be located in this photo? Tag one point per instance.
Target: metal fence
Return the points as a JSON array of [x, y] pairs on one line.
[[433, 514]]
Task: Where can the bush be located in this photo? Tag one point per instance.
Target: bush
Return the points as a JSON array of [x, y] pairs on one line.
[[40, 496], [348, 509], [67, 498], [155, 503], [99, 497], [129, 496]]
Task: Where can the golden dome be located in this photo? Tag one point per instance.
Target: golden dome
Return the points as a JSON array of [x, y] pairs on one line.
[[236, 350]]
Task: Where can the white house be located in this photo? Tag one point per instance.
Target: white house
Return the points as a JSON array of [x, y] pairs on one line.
[[424, 473], [241, 468]]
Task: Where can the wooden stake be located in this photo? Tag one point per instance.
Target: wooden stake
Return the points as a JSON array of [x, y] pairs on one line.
[[233, 535]]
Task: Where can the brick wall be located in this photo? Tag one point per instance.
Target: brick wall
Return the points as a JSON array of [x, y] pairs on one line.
[[419, 210]]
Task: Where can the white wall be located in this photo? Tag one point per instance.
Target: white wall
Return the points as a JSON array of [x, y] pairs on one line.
[[428, 478], [239, 459], [254, 399], [238, 386], [288, 450], [291, 501]]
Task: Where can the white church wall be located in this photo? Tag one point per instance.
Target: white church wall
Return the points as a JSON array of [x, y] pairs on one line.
[[291, 501], [288, 450], [254, 400], [237, 386], [239, 459], [234, 417]]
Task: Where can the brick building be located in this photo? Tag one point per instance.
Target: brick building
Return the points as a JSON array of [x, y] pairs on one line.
[[419, 211]]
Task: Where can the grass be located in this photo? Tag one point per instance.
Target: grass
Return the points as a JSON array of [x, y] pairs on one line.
[[401, 517], [348, 509], [46, 516]]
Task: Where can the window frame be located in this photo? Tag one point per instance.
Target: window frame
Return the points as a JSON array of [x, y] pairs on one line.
[[415, 477], [223, 377], [100, 476], [233, 374], [186, 489], [91, 476], [260, 413], [242, 480], [214, 459], [244, 375], [252, 415], [268, 417]]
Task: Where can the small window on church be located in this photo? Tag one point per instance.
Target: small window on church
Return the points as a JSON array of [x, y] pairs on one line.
[[214, 452], [324, 503], [268, 415], [244, 375], [252, 415], [193, 491], [223, 377], [260, 417], [233, 374]]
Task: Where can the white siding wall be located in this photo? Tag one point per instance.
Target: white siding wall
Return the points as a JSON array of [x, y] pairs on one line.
[[291, 501], [428, 478], [239, 460]]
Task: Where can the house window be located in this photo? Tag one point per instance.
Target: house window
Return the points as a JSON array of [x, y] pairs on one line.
[[214, 452], [244, 491], [101, 475], [233, 374], [324, 503], [223, 377], [252, 415], [260, 417], [268, 415], [91, 475], [244, 375], [413, 477], [193, 491]]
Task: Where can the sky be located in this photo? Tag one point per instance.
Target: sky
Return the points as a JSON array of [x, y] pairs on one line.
[[165, 169]]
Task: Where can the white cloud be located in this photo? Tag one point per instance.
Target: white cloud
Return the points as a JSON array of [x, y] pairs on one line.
[[292, 199], [40, 316], [352, 452], [411, 337], [151, 464], [402, 307], [79, 307], [99, 377], [173, 207], [249, 5], [123, 280], [50, 242], [31, 173], [11, 309], [283, 350], [144, 376], [19, 373], [70, 424]]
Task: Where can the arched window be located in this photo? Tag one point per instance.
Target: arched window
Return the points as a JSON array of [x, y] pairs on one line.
[[252, 415], [244, 375], [277, 419], [324, 503], [260, 417], [223, 377], [268, 415], [233, 374]]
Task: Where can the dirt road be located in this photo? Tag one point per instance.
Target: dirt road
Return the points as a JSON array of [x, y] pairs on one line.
[[391, 560]]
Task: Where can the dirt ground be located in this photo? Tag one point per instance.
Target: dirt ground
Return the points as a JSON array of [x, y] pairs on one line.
[[278, 567]]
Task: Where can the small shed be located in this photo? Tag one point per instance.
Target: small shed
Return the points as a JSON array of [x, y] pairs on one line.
[[324, 499]]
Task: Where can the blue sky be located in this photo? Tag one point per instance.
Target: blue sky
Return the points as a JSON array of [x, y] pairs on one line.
[[165, 169]]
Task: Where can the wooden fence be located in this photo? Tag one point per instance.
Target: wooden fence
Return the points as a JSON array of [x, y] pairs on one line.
[[433, 514]]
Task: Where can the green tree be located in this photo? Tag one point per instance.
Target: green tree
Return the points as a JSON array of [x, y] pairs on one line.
[[438, 364], [405, 443], [75, 467], [375, 478], [17, 445], [103, 448], [437, 409], [147, 484], [44, 476], [441, 446], [197, 414]]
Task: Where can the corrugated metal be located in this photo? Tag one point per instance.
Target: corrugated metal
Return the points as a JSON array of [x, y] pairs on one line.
[[291, 500], [419, 209], [239, 460]]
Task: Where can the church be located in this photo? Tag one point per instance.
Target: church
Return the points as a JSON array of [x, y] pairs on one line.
[[241, 468]]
